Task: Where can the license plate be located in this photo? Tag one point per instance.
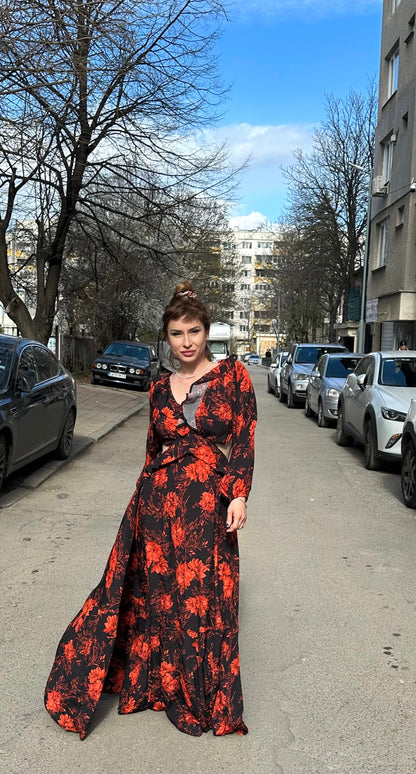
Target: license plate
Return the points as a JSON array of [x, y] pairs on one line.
[[116, 375]]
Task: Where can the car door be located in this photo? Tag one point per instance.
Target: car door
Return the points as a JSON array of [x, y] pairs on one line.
[[27, 410], [315, 381], [52, 386], [360, 394]]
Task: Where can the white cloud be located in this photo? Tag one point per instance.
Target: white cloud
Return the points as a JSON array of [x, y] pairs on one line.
[[253, 220], [322, 8], [265, 145]]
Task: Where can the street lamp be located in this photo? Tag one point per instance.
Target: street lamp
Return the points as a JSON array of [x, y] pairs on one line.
[[361, 327]]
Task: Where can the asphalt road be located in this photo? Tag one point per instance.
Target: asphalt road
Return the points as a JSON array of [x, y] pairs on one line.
[[327, 619]]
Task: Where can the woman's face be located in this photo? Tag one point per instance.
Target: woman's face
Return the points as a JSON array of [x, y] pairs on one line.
[[187, 340]]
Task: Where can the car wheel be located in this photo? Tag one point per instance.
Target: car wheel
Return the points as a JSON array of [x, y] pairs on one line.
[[308, 410], [290, 401], [3, 459], [322, 420], [269, 389], [93, 380], [408, 475], [342, 438], [65, 442], [146, 385], [370, 447]]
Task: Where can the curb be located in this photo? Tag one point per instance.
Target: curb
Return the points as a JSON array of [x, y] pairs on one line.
[[80, 444]]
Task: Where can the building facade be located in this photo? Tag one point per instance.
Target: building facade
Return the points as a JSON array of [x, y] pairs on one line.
[[391, 281], [254, 321]]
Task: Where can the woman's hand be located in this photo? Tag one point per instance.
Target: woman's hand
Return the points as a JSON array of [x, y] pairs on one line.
[[236, 514]]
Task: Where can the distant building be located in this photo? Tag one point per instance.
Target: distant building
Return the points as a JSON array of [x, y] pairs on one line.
[[253, 324], [391, 285]]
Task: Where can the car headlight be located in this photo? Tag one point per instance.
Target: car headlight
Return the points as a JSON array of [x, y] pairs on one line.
[[393, 414], [332, 393], [301, 376], [104, 366]]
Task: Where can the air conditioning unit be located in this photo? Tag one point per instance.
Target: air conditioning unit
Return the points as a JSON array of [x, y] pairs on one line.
[[379, 186]]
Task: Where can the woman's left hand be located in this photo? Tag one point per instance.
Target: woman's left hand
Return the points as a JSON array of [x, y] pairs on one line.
[[236, 515]]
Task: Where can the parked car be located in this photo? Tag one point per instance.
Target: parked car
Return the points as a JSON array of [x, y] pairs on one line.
[[295, 372], [38, 404], [326, 381], [126, 363], [254, 359], [408, 469], [374, 403], [273, 374]]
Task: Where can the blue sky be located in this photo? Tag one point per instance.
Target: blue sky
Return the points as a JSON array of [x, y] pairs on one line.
[[282, 57]]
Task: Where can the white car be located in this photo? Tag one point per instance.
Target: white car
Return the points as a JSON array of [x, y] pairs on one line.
[[273, 374], [374, 402]]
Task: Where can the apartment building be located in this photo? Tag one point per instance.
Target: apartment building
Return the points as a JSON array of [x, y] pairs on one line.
[[253, 325], [391, 281]]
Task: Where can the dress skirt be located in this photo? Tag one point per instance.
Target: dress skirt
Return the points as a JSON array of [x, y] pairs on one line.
[[161, 628]]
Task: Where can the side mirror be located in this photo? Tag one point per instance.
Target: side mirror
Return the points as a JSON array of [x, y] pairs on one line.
[[315, 374], [362, 381]]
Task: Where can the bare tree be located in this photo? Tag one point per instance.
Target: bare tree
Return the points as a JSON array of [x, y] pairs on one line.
[[92, 89], [329, 199]]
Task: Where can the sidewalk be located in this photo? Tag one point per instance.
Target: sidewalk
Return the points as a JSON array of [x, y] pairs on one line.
[[99, 411]]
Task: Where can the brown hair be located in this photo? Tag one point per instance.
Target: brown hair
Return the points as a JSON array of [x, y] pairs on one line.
[[185, 303]]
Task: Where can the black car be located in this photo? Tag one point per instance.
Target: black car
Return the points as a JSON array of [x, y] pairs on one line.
[[37, 404], [126, 363]]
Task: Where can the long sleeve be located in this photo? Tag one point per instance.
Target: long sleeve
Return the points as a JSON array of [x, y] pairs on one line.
[[239, 471], [153, 444]]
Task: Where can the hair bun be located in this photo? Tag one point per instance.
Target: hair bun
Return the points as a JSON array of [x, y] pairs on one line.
[[184, 289]]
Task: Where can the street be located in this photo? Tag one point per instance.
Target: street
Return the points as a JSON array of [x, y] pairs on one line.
[[327, 612]]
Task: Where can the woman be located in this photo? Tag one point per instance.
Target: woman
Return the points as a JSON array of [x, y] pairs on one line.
[[161, 628]]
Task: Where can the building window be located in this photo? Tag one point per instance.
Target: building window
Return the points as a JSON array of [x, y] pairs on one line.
[[246, 259], [400, 217], [394, 4], [246, 245], [243, 328], [243, 315], [264, 244], [388, 148], [244, 286], [261, 287], [393, 63], [382, 243], [246, 273]]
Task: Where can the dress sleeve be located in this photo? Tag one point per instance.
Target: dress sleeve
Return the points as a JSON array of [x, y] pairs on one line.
[[239, 471], [153, 443]]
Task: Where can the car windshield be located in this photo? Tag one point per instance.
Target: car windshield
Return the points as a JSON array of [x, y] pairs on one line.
[[398, 372], [5, 360], [218, 347], [133, 351], [312, 354], [339, 368]]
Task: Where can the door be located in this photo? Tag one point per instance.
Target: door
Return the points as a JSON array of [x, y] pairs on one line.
[[315, 382], [27, 410]]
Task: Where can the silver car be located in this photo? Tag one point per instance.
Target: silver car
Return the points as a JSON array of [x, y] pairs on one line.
[[374, 402], [273, 374], [325, 384]]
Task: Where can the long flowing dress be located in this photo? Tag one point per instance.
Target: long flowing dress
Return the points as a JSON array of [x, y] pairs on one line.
[[161, 627]]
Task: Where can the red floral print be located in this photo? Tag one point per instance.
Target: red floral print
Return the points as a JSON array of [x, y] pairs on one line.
[[161, 627]]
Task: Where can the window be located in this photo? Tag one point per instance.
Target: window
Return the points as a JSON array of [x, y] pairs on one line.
[[243, 315], [400, 216], [244, 286], [243, 328], [47, 366], [388, 148], [393, 63], [264, 244], [246, 245], [394, 5], [261, 287], [382, 243], [246, 259], [246, 273]]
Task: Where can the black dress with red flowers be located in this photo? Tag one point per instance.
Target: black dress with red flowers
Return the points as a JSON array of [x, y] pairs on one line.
[[161, 627]]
